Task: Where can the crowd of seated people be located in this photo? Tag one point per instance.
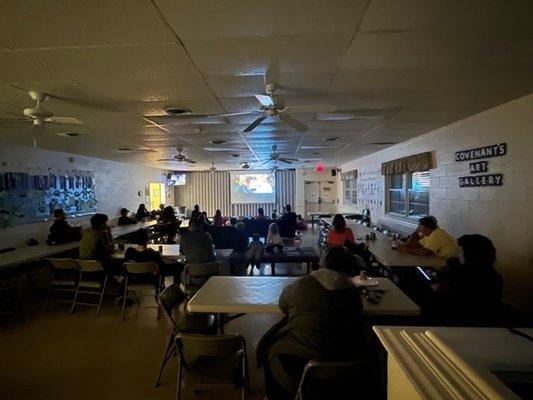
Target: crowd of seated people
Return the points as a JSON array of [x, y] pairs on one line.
[[125, 219]]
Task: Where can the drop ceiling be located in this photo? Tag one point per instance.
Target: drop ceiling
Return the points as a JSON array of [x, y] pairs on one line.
[[116, 64]]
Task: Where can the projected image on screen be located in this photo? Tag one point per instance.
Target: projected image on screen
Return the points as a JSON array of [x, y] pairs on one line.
[[254, 183], [252, 187]]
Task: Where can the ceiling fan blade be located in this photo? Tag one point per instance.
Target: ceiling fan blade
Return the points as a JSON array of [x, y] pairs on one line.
[[64, 120], [234, 114], [283, 160], [264, 100], [314, 108], [189, 161], [299, 126], [166, 159], [254, 124]]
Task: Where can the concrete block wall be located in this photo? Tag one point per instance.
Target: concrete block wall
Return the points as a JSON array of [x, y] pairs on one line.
[[504, 214], [117, 184]]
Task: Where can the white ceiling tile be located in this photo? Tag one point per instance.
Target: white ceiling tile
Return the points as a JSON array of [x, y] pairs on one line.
[[257, 18], [394, 15], [80, 22]]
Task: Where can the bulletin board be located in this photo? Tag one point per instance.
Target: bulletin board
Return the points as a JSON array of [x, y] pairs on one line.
[[27, 198]]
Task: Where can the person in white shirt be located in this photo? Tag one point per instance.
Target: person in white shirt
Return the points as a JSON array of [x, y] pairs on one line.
[[274, 240]]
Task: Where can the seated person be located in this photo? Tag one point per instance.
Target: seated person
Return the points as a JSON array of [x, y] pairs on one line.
[[124, 218], [237, 258], [273, 241], [141, 253], [261, 214], [142, 213], [414, 238], [301, 224], [323, 320], [218, 219], [195, 212], [61, 231], [274, 215], [158, 212], [433, 241], [204, 221], [171, 224], [255, 252], [470, 287], [97, 244], [340, 233], [197, 245]]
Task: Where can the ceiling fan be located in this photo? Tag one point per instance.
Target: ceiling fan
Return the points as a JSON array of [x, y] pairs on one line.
[[212, 168], [274, 168], [179, 157], [245, 165], [275, 156]]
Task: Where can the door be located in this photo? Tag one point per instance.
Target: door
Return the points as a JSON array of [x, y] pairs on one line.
[[320, 197], [327, 197], [312, 191], [157, 195]]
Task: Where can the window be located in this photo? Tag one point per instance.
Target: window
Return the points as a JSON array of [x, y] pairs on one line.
[[408, 194], [349, 181]]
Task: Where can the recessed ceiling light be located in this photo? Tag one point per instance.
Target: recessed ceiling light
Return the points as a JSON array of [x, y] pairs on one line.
[[218, 141], [68, 134], [174, 110], [316, 153], [331, 138]]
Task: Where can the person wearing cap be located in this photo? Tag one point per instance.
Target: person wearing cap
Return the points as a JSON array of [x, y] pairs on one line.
[[124, 219]]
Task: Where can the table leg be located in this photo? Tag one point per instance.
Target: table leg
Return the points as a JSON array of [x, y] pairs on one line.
[[273, 268], [313, 222]]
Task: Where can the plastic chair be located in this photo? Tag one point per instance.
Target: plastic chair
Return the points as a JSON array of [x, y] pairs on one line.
[[170, 300], [87, 285], [212, 359], [132, 269], [64, 279], [195, 275], [338, 380]]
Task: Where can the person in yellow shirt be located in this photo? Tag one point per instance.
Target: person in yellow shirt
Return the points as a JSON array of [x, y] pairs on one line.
[[433, 241]]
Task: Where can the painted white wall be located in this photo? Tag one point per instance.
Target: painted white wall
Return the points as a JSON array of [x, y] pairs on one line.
[[309, 174], [117, 184], [504, 214]]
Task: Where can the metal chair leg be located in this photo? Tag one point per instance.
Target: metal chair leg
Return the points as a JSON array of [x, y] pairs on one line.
[[74, 302], [166, 356], [47, 297], [104, 286], [178, 388], [125, 295]]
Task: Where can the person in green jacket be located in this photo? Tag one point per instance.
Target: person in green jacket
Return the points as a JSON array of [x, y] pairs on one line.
[[323, 320]]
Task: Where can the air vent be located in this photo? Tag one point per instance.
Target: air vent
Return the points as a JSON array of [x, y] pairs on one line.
[[67, 134], [173, 110], [383, 143], [331, 139], [217, 141], [135, 150]]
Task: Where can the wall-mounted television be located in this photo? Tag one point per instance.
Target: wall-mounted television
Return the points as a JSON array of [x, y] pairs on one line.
[[175, 179]]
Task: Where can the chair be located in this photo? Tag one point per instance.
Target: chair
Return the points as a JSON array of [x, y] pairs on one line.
[[87, 285], [195, 275], [133, 269], [204, 323], [64, 279], [338, 380], [212, 359]]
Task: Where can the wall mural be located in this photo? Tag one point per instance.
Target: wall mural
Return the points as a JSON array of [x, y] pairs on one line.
[[26, 198]]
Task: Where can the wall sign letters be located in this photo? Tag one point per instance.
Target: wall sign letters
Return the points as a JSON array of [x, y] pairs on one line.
[[481, 180], [495, 150]]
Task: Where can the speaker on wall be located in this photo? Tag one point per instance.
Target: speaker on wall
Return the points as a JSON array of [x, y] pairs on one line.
[[334, 172]]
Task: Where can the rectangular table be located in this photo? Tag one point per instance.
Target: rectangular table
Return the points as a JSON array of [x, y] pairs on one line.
[[260, 295], [382, 250], [421, 361], [169, 250], [33, 253]]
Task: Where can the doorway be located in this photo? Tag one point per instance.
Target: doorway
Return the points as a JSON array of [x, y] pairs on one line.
[[157, 195], [320, 196]]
